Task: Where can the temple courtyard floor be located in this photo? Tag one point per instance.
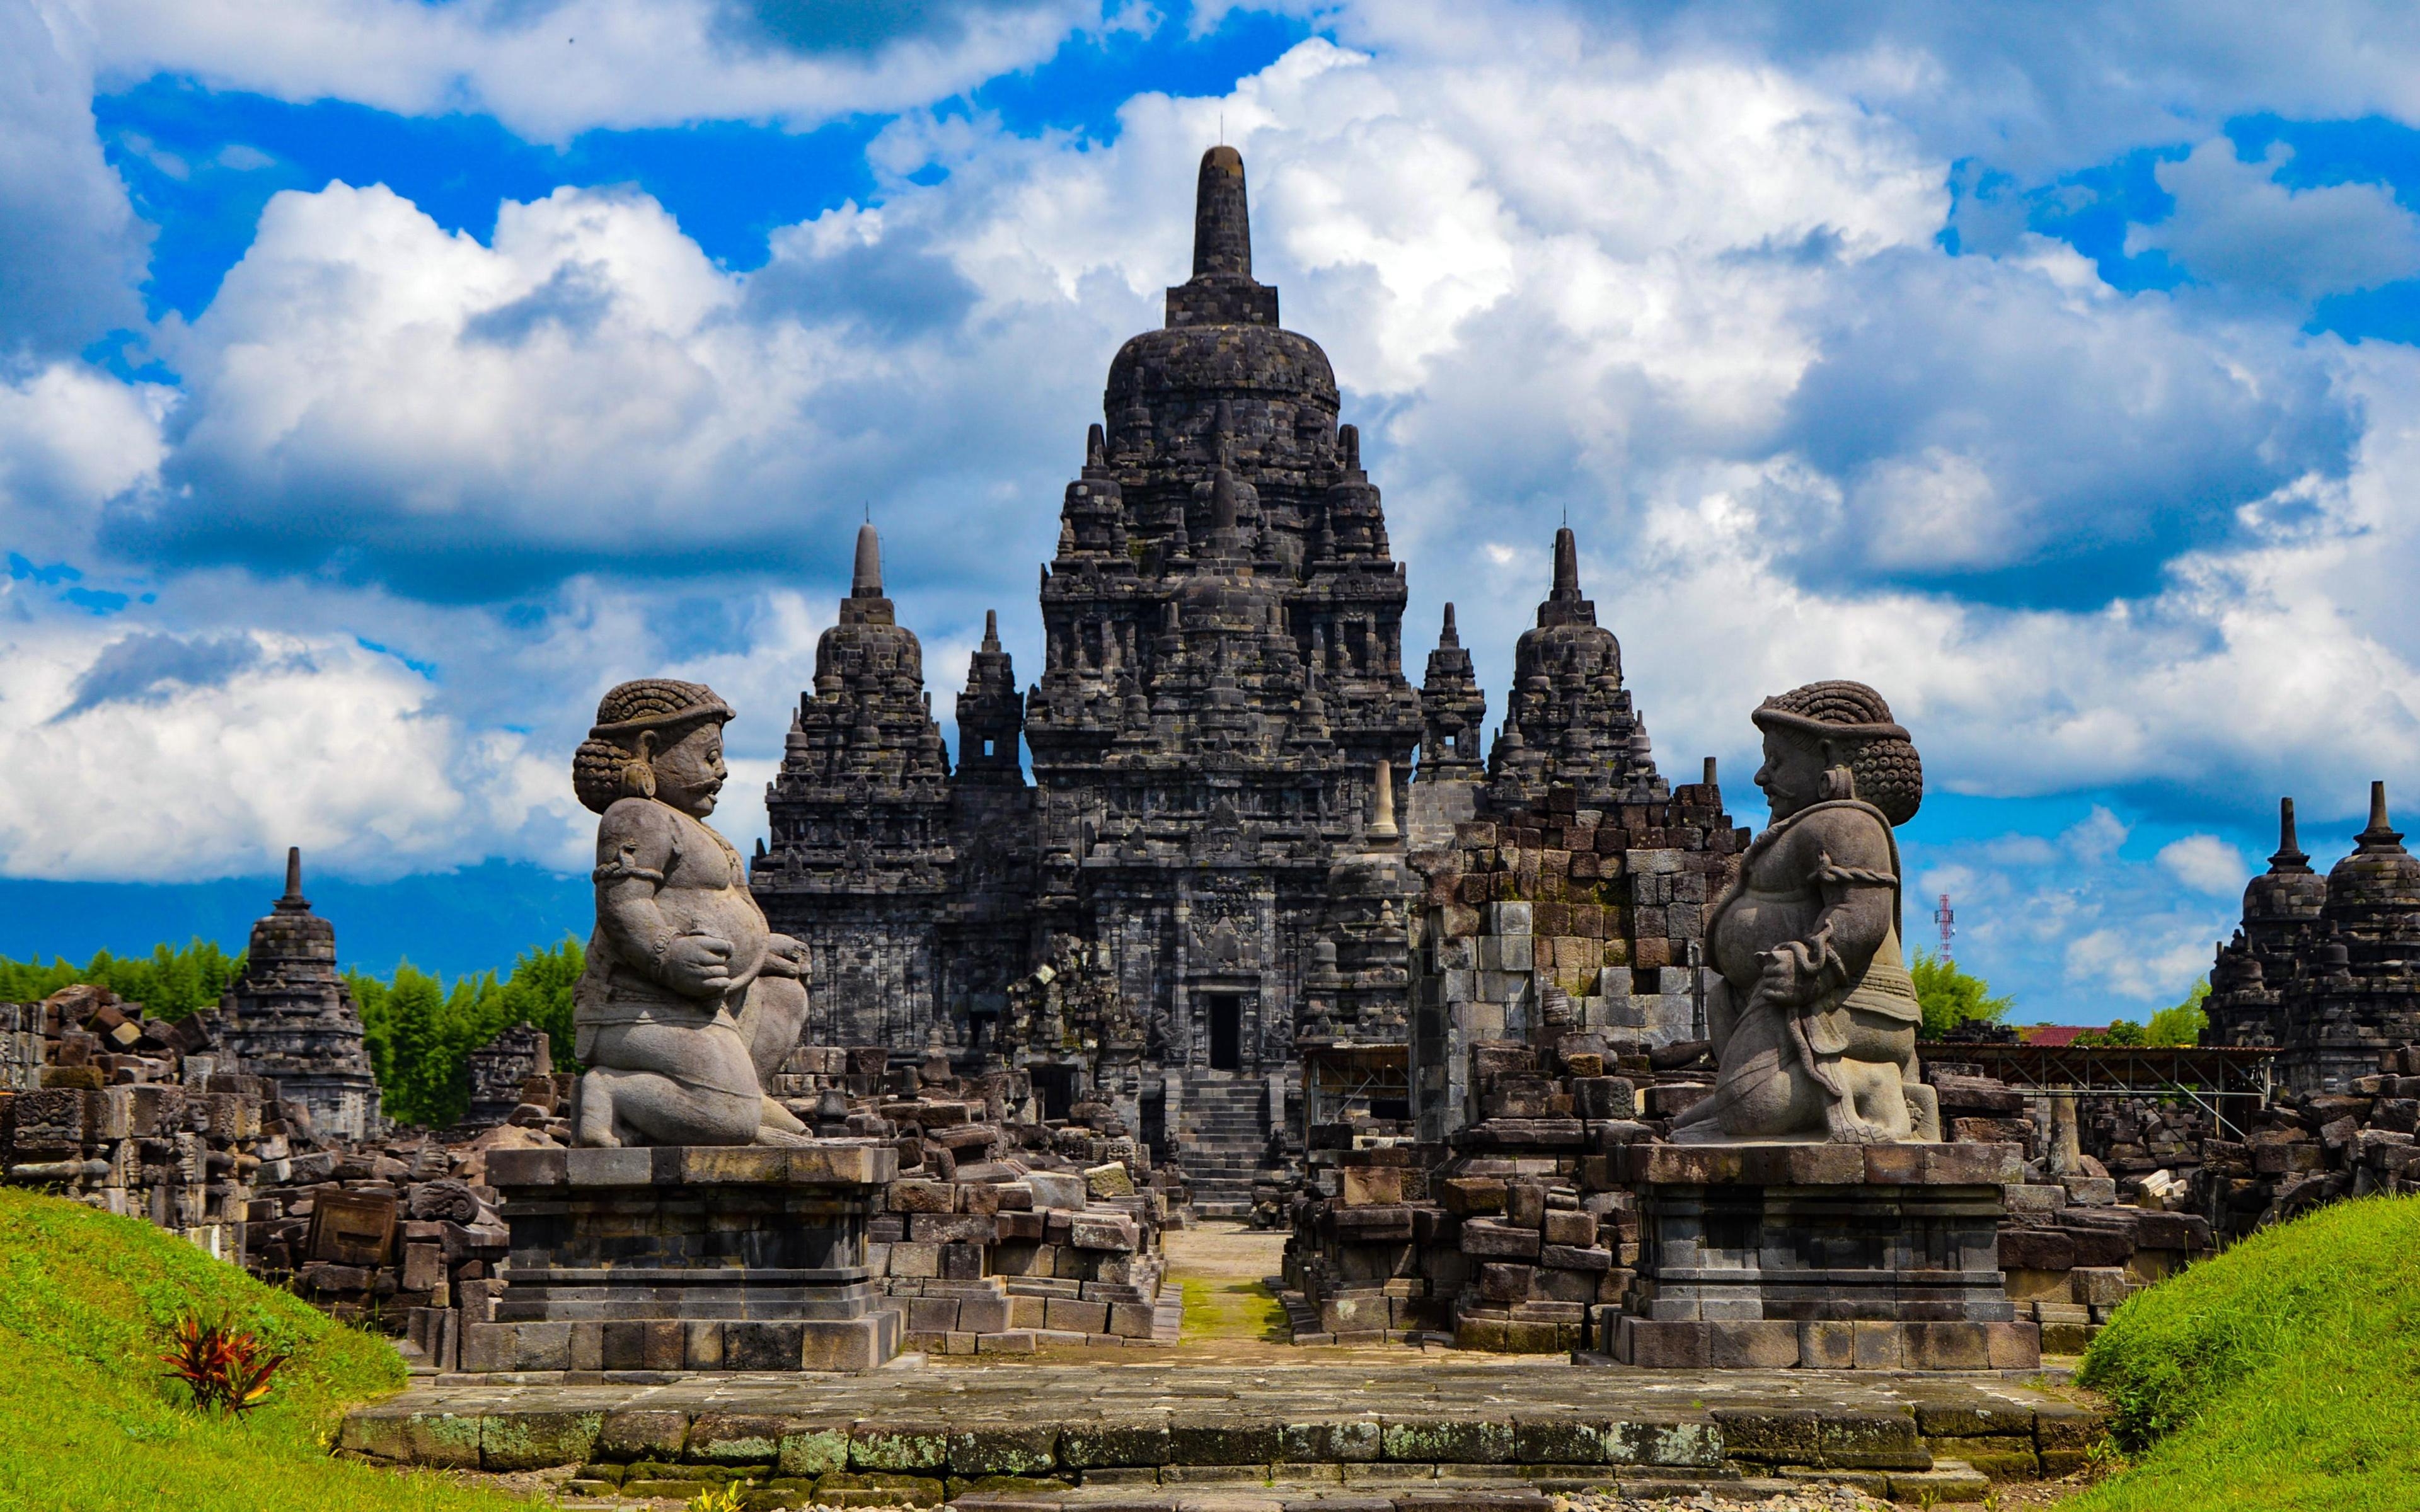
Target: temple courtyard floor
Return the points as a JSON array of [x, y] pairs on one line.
[[1233, 1419]]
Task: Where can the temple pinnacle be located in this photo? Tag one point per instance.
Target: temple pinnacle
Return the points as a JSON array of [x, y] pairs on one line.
[[1567, 563], [991, 630], [1448, 636], [2289, 856], [2379, 834], [866, 580], [1222, 227], [293, 874]]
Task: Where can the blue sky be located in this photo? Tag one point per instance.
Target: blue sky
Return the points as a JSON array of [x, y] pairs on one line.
[[378, 388]]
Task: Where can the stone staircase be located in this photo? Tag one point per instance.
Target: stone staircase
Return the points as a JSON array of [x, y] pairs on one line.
[[1221, 1133]]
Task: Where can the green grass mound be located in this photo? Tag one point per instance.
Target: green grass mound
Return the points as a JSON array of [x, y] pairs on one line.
[[2284, 1373], [89, 1418]]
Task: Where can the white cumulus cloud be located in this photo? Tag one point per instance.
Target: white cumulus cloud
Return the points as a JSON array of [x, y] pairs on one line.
[[2204, 863], [2236, 226], [195, 759]]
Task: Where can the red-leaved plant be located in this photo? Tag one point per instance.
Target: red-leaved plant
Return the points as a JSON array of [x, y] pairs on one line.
[[227, 1367]]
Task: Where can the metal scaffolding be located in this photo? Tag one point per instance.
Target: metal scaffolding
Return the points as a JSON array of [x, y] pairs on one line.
[[2228, 1083]]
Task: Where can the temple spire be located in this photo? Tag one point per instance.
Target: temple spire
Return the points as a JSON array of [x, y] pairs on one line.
[[1222, 226], [1448, 636], [991, 630], [1221, 291], [2379, 834], [866, 580], [294, 901], [2289, 856], [1563, 602]]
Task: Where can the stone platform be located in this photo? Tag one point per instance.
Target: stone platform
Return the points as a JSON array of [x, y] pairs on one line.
[[1410, 1428], [686, 1257], [1831, 1257]]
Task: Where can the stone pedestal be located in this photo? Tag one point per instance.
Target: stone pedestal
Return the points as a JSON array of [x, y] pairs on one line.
[[1828, 1256], [686, 1257]]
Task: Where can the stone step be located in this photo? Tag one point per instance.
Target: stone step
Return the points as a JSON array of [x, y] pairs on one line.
[[1426, 1434]]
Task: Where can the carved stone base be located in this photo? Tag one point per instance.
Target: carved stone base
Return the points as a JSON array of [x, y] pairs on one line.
[[688, 1258], [1826, 1257]]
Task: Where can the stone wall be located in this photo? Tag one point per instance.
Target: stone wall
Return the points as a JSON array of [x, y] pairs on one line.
[[131, 1114], [1561, 918]]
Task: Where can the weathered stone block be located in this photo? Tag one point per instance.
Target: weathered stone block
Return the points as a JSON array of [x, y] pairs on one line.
[[1077, 1317], [1484, 1236], [642, 1433], [1770, 1344], [1020, 1449], [919, 1194], [739, 1438], [754, 1346], [537, 1440], [1438, 1440], [590, 1166], [1212, 1442], [1104, 1444], [899, 1447]]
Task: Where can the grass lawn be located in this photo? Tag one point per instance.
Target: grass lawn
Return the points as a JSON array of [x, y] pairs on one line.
[[89, 1418], [2281, 1374]]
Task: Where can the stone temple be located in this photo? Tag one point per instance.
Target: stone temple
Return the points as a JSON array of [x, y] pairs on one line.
[[290, 1017], [1205, 881], [2326, 970]]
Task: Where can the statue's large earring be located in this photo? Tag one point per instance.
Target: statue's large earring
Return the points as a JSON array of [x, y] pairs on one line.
[[1838, 783], [639, 773]]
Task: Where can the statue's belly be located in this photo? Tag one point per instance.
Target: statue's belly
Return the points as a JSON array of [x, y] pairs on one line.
[[725, 913], [1755, 922]]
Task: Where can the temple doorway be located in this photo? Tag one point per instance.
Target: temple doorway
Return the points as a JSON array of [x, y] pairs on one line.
[[1226, 1032]]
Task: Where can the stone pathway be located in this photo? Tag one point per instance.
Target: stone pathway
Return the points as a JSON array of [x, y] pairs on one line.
[[1229, 1313]]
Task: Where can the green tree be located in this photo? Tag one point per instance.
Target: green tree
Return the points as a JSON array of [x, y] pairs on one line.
[[169, 983], [2123, 1032], [416, 1004], [2182, 1023], [539, 992], [418, 1032], [372, 997], [1949, 995]]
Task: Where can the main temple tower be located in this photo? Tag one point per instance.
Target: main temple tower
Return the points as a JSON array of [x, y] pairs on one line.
[[1224, 636], [1223, 680]]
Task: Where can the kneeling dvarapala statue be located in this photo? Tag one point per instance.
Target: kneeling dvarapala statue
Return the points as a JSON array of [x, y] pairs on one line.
[[1814, 1020], [689, 999]]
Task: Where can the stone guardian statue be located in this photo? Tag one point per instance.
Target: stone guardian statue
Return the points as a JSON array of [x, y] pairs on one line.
[[688, 999], [1814, 1020]]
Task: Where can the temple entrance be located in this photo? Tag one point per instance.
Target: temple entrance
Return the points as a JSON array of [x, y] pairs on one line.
[[1153, 1112], [1055, 1085], [1226, 1032]]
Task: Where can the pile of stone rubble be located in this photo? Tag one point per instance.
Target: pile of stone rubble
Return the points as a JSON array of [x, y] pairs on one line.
[[132, 1115], [1519, 1236], [2308, 1149], [1523, 1234], [1004, 1234]]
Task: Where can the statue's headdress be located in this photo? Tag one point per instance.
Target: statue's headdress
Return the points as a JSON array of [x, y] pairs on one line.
[[1879, 763], [634, 722]]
